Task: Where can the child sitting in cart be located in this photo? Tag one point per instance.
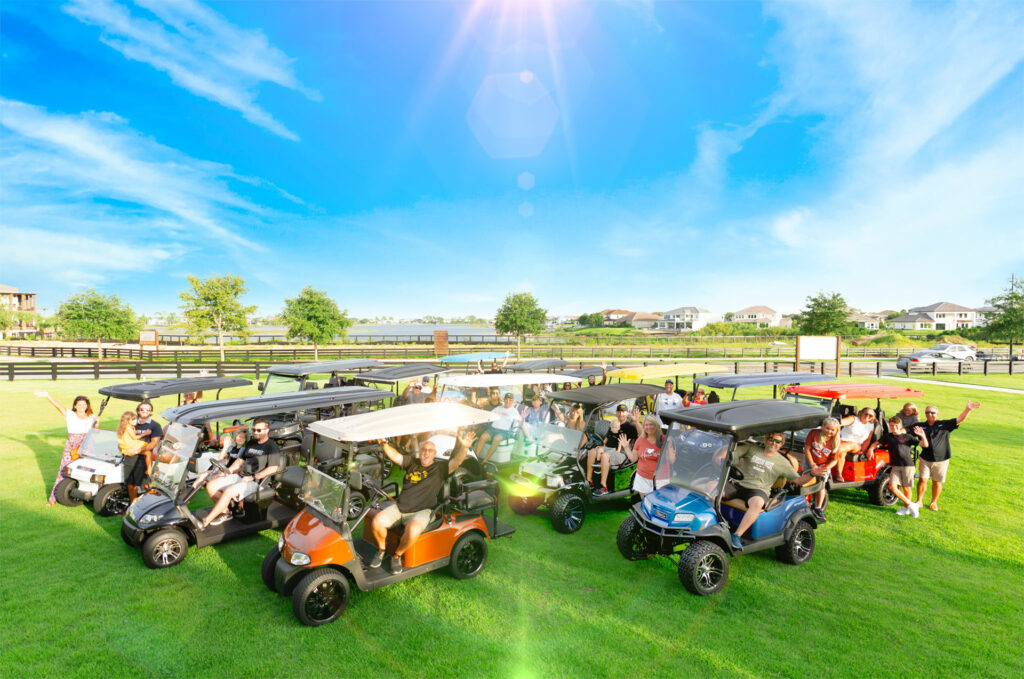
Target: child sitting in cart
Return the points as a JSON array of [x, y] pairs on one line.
[[821, 452]]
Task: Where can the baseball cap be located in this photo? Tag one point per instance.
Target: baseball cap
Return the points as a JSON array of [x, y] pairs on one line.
[[509, 394], [669, 382], [621, 406]]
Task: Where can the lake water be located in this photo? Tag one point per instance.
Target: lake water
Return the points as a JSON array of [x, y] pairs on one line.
[[369, 333]]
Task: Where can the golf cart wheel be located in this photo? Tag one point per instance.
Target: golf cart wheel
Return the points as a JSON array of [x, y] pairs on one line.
[[356, 504], [320, 597], [63, 492], [568, 513], [111, 500], [632, 540], [523, 505], [799, 548], [165, 548], [880, 493], [703, 568], [267, 569], [468, 556]]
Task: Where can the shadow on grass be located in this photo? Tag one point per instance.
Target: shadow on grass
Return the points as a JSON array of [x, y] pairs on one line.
[[47, 446]]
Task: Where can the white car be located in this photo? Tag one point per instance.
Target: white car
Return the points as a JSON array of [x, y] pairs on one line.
[[957, 351]]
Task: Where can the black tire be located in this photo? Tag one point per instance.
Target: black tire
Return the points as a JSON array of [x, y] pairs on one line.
[[165, 548], [799, 548], [568, 513], [267, 569], [880, 493], [63, 492], [468, 556], [356, 503], [320, 597], [523, 505], [111, 500], [633, 540], [703, 568]]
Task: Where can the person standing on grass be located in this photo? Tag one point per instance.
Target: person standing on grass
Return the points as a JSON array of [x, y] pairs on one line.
[[934, 460], [79, 420], [900, 445]]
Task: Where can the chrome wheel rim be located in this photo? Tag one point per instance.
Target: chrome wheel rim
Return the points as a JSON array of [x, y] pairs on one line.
[[802, 542], [710, 571], [167, 551]]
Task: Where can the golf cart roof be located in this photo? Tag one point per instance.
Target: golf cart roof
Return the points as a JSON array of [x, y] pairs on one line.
[[855, 390], [253, 406], [473, 358], [584, 373], [394, 373], [401, 421], [606, 393], [323, 367], [760, 380], [651, 372], [501, 380], [142, 391], [535, 365], [748, 418]]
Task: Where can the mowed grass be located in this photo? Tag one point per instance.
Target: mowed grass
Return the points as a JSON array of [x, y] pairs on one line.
[[1014, 381], [942, 594]]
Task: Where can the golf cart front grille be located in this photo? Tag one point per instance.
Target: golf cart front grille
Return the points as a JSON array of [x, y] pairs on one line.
[[663, 531]]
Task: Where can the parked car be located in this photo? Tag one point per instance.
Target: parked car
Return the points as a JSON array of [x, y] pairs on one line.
[[947, 362], [961, 352]]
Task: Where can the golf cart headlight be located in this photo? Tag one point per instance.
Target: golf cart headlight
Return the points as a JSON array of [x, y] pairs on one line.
[[280, 543], [683, 517], [151, 518], [553, 481], [99, 479], [648, 504], [299, 559]]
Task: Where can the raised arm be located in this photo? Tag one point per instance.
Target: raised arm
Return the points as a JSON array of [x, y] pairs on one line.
[[462, 445], [971, 406], [46, 395], [390, 451], [922, 438]]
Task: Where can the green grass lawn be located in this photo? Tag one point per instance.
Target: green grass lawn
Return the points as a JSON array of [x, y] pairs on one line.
[[1005, 381], [940, 596]]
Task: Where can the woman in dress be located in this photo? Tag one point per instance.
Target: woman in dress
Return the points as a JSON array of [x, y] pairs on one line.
[[79, 420]]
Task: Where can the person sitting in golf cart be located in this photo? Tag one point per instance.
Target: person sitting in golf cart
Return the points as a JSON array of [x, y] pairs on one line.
[[537, 413], [231, 449], [761, 468], [260, 459], [500, 429], [421, 488], [821, 453], [856, 432], [613, 450]]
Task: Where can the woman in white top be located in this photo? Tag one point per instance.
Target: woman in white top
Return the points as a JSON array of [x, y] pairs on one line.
[[79, 420], [856, 431]]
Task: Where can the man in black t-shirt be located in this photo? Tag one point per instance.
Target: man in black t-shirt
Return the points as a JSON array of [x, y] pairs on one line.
[[934, 460], [611, 452], [259, 459], [421, 487], [136, 467]]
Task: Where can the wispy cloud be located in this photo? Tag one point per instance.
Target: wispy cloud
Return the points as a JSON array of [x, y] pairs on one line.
[[199, 50], [86, 197]]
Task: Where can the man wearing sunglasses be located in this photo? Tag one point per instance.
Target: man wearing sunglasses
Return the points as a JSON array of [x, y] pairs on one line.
[[934, 459], [761, 468], [258, 459]]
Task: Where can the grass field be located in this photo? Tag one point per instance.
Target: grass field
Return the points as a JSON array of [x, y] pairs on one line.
[[1004, 381], [884, 595]]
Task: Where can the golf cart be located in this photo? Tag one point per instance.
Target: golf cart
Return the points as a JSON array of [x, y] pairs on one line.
[[536, 365], [289, 377], [557, 479], [321, 550], [773, 380], [95, 473], [478, 357], [686, 519], [394, 374], [160, 522], [858, 471]]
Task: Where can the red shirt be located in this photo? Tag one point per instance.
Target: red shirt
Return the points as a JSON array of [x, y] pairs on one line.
[[647, 457]]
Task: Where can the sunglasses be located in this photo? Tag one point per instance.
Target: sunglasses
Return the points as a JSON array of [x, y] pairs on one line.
[[261, 430], [931, 412], [775, 439]]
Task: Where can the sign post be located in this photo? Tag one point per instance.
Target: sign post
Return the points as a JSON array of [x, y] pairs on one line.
[[440, 343], [818, 348], [149, 338]]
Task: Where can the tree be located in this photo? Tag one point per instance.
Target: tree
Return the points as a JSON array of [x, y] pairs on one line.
[[593, 320], [824, 315], [520, 316], [1007, 321], [314, 317], [215, 303], [91, 315]]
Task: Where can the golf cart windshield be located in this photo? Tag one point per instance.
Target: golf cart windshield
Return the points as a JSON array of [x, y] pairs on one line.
[[694, 459], [281, 384], [324, 494], [550, 438], [100, 444], [176, 448]]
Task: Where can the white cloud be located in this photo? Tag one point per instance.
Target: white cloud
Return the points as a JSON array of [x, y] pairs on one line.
[[199, 50]]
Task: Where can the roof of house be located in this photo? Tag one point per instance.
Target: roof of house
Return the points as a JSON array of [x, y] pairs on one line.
[[864, 317], [7, 288], [940, 306], [641, 316], [912, 318], [682, 310], [609, 312], [756, 310]]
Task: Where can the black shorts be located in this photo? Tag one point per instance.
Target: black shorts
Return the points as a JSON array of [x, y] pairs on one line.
[[746, 493], [134, 469]]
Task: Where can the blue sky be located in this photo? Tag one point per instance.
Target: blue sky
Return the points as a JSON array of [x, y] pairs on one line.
[[430, 157]]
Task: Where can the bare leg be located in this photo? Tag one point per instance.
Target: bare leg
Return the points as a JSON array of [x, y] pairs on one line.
[[484, 438], [898, 492], [920, 490], [133, 493], [380, 532], [605, 460], [936, 492], [590, 463], [495, 442], [226, 497], [754, 507], [412, 531]]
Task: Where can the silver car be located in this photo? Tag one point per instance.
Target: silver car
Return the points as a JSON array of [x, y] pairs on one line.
[[960, 352], [947, 362]]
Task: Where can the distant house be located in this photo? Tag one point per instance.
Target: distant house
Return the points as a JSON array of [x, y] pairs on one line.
[[866, 321], [12, 299], [939, 316], [786, 321], [687, 319], [761, 316], [983, 312], [639, 319], [613, 316]]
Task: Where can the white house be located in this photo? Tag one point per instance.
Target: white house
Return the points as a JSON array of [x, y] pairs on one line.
[[613, 316], [939, 316], [639, 319], [866, 321], [761, 316], [687, 318]]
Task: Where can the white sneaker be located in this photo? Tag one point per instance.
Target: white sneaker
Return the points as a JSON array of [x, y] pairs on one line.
[[903, 511], [915, 509]]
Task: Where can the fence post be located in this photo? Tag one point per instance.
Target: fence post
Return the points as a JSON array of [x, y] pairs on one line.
[[736, 367], [177, 369], [257, 372], [934, 371], [138, 371], [96, 370], [985, 367], [53, 371], [220, 369], [10, 372], [959, 367]]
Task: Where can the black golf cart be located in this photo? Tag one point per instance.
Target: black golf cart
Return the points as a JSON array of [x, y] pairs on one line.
[[773, 380], [557, 479], [291, 377]]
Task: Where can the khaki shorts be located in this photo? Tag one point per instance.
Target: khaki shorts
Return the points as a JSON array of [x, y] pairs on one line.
[[936, 471], [391, 515], [903, 476]]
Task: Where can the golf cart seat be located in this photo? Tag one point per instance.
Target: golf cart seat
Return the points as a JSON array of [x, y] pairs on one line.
[[474, 496]]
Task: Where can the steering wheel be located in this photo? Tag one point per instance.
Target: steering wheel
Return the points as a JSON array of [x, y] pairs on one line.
[[379, 491], [220, 467], [735, 473]]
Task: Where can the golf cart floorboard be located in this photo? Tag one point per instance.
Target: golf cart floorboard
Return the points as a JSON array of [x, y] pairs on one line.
[[375, 578], [277, 516], [499, 529]]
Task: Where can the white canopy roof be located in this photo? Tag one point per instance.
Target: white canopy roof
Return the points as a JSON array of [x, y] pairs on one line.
[[401, 421], [502, 380]]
